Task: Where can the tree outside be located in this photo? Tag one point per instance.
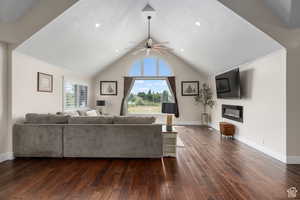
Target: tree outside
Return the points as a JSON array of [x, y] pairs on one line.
[[148, 102]]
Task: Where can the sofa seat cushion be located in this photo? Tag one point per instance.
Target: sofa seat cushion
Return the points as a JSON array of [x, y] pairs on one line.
[[33, 118], [133, 120], [90, 120]]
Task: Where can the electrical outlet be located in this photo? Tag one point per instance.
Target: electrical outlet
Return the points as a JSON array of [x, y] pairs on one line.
[[263, 141]]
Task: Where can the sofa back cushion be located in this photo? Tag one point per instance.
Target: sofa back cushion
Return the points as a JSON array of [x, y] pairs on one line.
[[33, 118], [90, 120], [133, 120]]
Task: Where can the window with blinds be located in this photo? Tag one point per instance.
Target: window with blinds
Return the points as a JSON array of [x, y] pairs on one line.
[[75, 96]]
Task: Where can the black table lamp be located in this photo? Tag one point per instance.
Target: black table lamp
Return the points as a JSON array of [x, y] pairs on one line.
[[100, 103], [170, 109]]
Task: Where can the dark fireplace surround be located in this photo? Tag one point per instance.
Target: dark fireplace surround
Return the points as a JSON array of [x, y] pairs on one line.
[[232, 112]]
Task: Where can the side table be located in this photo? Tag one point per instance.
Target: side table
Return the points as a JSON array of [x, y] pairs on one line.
[[169, 142]]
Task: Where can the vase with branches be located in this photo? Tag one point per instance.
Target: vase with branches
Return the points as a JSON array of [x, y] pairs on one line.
[[205, 98]]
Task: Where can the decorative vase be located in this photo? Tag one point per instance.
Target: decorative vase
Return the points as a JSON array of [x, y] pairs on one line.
[[204, 119]]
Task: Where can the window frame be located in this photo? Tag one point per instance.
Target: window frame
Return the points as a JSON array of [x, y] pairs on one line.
[[135, 78], [142, 66], [77, 96]]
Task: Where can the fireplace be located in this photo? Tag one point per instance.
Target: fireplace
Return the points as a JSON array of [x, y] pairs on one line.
[[232, 112]]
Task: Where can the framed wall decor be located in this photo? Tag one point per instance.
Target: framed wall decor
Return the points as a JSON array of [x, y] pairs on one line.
[[109, 88], [44, 82], [189, 88]]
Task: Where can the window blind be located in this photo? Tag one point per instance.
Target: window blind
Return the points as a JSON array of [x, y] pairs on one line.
[[83, 91], [75, 96]]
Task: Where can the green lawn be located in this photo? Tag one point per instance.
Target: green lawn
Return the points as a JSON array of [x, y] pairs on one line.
[[144, 109]]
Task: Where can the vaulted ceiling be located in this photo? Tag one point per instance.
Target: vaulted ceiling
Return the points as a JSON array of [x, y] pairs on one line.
[[94, 33]]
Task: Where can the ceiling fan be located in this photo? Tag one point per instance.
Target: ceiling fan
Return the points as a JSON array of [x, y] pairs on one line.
[[150, 45]]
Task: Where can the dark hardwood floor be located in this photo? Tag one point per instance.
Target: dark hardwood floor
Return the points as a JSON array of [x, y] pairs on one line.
[[207, 168]]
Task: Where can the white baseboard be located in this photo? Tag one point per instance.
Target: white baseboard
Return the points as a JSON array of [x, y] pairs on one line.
[[260, 148], [187, 123], [263, 149], [293, 160], [278, 156], [6, 156]]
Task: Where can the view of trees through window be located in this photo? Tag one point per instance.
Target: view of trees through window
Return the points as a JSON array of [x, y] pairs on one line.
[[147, 96]]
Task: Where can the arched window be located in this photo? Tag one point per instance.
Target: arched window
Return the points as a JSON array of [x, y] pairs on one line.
[[150, 88], [150, 66]]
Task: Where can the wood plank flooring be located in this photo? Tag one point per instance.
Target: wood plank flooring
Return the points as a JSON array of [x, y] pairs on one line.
[[207, 168]]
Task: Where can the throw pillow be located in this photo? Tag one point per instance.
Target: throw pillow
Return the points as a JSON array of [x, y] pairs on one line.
[[91, 113], [72, 113]]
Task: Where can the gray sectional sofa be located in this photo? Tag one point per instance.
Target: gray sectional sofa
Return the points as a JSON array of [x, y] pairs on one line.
[[103, 137]]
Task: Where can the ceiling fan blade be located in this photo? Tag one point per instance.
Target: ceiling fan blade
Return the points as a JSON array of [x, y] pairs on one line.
[[158, 45], [164, 48], [162, 43], [138, 51], [136, 47], [158, 51]]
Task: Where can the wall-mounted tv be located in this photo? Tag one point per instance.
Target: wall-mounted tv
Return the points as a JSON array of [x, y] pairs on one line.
[[228, 85]]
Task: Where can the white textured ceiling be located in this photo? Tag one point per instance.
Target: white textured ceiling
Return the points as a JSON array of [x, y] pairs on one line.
[[221, 41], [12, 10]]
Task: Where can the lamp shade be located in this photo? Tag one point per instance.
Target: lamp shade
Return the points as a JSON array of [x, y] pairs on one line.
[[169, 108], [100, 103]]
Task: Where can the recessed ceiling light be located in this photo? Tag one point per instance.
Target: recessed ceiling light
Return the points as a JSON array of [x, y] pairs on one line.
[[117, 50], [97, 25], [182, 50], [197, 23]]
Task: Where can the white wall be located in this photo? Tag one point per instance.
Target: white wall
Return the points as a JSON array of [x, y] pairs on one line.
[[189, 111], [3, 102], [264, 90], [25, 97]]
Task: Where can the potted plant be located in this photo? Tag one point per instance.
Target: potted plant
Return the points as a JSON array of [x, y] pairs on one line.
[[205, 98]]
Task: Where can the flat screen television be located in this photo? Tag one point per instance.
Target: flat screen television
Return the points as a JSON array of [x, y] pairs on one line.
[[228, 85]]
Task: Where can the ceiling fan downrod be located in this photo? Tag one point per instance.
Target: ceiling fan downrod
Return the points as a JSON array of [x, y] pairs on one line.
[[149, 18]]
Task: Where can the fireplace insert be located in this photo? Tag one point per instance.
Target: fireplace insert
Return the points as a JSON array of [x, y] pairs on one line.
[[232, 112]]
